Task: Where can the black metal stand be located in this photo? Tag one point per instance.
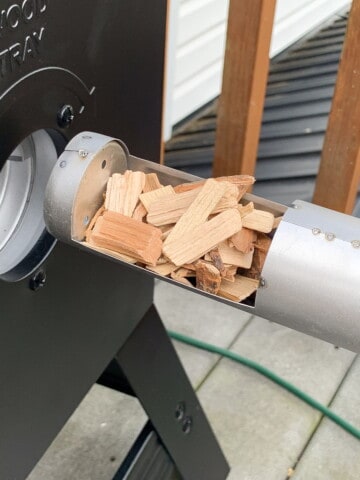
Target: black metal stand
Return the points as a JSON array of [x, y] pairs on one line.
[[154, 373]]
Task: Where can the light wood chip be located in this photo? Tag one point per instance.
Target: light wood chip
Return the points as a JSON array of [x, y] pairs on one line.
[[123, 192], [183, 272], [208, 277], [238, 290], [149, 197], [259, 220], [139, 212], [244, 240], [277, 222], [169, 209], [163, 269], [246, 209], [194, 244], [151, 182], [230, 272], [241, 181], [198, 212], [232, 256], [93, 221], [229, 199], [127, 236], [111, 253]]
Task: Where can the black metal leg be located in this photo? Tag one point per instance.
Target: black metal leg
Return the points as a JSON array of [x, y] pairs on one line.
[[155, 374]]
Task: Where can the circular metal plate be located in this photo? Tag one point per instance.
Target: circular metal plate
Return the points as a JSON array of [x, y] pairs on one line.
[[22, 185]]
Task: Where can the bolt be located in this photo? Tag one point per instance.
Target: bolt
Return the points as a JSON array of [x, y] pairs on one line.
[[38, 280], [330, 236], [180, 411], [187, 425], [83, 153], [65, 116], [316, 231]]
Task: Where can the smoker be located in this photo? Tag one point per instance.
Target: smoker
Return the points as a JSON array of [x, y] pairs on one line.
[[68, 318]]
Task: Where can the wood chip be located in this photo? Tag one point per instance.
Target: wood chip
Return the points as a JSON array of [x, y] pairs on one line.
[[98, 214], [163, 269], [277, 221], [232, 256], [194, 244], [257, 265], [263, 242], [241, 181], [246, 209], [183, 272], [208, 277], [198, 212], [139, 212], [238, 290], [151, 182], [215, 257], [127, 236], [169, 209], [259, 220], [244, 240], [149, 197], [230, 272], [111, 253], [123, 192]]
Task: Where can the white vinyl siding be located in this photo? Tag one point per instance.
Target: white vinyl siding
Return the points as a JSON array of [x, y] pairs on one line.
[[197, 43]]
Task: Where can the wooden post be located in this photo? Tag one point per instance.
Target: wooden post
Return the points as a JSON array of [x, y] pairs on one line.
[[339, 173], [244, 85]]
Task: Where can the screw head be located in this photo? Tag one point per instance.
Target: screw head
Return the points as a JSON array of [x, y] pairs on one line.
[[355, 243], [65, 116], [330, 237], [187, 425], [316, 231], [83, 153], [37, 281], [180, 411]]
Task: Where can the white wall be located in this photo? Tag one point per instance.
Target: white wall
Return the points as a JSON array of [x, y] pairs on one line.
[[197, 35]]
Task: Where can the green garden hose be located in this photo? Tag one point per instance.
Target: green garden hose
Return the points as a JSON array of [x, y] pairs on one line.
[[271, 376]]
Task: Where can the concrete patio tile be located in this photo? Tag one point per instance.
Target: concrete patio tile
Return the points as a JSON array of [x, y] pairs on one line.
[[200, 317], [263, 428], [333, 454], [95, 440]]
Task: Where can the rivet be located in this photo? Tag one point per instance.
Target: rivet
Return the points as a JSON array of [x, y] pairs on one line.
[[316, 231], [83, 153], [355, 243], [330, 236], [263, 283], [63, 164]]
